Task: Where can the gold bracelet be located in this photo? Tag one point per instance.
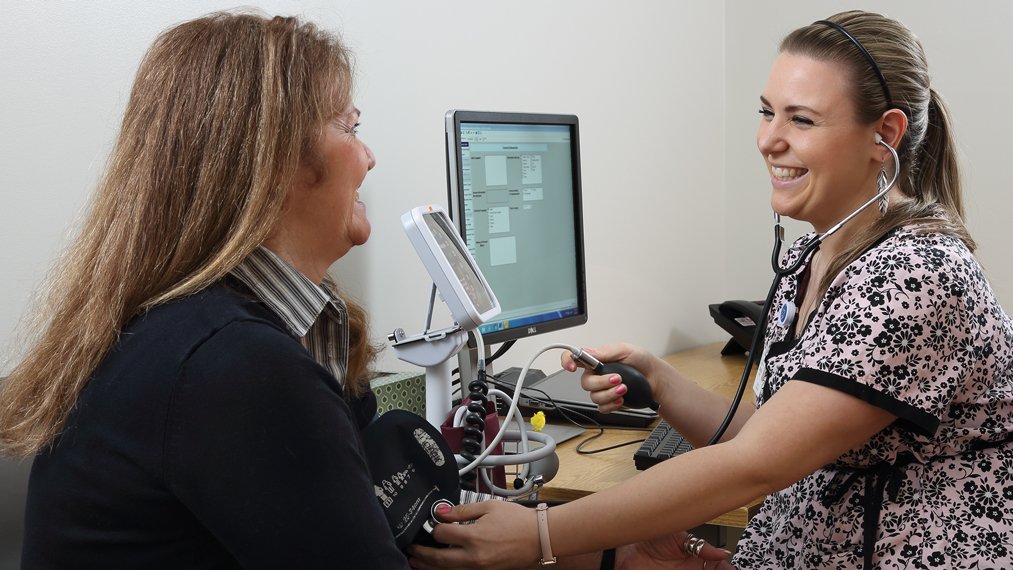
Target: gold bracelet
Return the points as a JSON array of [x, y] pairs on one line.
[[542, 512]]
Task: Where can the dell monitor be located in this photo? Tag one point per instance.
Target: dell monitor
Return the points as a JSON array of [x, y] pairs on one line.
[[515, 197]]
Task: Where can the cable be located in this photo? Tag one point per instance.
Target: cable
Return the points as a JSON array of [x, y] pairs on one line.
[[527, 487], [751, 358], [513, 404], [597, 425], [474, 420], [475, 430], [600, 433], [500, 351], [564, 412]]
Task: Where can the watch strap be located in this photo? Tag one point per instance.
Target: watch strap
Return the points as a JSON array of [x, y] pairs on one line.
[[542, 512]]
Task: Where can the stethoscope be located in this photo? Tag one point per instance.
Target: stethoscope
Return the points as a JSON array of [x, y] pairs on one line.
[[786, 313]]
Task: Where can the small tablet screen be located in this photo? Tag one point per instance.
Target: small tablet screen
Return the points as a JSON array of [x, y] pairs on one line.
[[466, 273]]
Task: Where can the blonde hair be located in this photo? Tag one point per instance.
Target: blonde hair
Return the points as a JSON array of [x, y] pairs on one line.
[[930, 177], [223, 110]]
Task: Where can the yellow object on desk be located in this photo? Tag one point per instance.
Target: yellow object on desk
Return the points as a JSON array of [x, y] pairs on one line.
[[538, 421]]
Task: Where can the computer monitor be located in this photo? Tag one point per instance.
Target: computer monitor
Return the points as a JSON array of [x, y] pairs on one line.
[[515, 196]]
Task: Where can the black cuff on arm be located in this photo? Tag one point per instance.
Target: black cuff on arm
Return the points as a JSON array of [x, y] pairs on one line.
[[909, 417]]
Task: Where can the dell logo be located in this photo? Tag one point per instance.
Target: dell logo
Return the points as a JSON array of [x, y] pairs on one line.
[[532, 330]]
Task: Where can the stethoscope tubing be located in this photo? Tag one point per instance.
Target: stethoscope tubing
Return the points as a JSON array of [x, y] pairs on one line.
[[782, 272]]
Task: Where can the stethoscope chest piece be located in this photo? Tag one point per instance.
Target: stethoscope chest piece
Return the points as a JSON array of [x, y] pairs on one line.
[[786, 314]]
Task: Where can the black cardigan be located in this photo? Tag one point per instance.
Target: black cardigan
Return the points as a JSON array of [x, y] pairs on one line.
[[208, 438]]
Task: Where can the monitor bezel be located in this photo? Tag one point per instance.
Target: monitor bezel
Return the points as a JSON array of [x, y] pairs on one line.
[[454, 118]]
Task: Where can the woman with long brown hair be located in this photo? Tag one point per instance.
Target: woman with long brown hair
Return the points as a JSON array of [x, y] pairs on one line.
[[196, 385]]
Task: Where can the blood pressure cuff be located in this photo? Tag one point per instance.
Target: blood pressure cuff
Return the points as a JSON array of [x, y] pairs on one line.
[[412, 468]]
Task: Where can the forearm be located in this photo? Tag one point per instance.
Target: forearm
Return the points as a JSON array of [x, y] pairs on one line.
[[812, 426], [588, 561], [693, 410], [681, 493]]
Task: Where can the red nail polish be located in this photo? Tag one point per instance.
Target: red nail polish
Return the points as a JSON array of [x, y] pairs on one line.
[[615, 380], [443, 509], [620, 390]]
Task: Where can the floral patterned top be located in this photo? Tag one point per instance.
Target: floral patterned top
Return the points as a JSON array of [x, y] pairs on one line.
[[912, 327]]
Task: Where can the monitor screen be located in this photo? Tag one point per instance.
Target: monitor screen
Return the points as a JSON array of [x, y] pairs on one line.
[[455, 274], [514, 183], [469, 277]]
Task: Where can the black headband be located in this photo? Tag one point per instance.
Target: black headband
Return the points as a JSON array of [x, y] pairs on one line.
[[865, 52]]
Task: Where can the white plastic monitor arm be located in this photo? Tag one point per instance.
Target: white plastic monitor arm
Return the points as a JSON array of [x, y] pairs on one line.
[[461, 286], [471, 302], [434, 351]]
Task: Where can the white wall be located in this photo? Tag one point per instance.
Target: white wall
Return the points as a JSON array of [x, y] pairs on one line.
[[645, 78], [675, 192], [970, 54]]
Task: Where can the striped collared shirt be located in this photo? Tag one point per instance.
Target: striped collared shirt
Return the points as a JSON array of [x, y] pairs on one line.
[[311, 312]]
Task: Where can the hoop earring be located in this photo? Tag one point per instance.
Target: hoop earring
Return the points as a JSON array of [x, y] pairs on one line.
[[884, 200]]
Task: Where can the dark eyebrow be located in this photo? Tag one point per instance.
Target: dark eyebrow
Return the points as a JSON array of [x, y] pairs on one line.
[[792, 108]]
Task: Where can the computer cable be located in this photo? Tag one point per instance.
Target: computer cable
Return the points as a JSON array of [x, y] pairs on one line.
[[499, 352], [455, 373], [567, 415]]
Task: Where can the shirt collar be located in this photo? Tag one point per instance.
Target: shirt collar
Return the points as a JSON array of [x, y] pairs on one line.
[[285, 290]]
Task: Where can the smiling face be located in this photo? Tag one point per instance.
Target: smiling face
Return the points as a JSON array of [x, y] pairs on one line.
[[323, 216], [345, 160], [822, 162]]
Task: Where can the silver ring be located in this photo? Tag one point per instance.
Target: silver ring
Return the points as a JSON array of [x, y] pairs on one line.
[[689, 539], [695, 545]]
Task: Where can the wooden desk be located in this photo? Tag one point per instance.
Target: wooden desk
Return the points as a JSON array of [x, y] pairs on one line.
[[581, 475]]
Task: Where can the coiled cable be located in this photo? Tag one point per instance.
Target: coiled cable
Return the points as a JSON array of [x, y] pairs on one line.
[[474, 420]]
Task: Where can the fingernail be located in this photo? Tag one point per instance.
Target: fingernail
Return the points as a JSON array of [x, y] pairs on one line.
[[621, 389], [728, 552], [619, 402], [443, 509], [615, 380]]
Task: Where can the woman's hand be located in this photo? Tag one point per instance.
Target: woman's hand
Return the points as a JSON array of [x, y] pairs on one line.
[[504, 535], [607, 391], [670, 553]]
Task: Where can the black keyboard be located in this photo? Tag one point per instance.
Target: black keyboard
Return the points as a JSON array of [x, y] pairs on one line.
[[664, 442]]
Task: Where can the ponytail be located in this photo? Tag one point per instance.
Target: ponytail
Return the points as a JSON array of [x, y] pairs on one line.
[[936, 176], [932, 197]]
